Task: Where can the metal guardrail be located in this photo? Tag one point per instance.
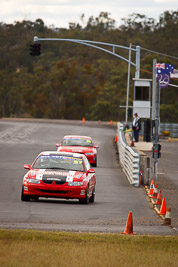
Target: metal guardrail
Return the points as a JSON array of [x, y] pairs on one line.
[[129, 158], [171, 128]]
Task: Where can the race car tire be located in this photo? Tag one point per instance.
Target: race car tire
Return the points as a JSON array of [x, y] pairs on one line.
[[35, 198], [24, 197], [95, 164], [92, 198], [86, 199]]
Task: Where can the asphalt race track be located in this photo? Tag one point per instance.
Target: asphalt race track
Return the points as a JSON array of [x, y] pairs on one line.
[[21, 141]]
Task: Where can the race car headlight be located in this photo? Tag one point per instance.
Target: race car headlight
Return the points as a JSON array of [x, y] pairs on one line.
[[33, 181], [89, 154], [75, 183]]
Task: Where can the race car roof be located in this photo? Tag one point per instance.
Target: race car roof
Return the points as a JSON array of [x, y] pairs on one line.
[[62, 153], [77, 136]]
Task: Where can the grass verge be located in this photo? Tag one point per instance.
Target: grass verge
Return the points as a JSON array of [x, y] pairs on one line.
[[39, 248]]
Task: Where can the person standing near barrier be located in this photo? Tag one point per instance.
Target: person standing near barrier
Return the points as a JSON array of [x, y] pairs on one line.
[[136, 126]]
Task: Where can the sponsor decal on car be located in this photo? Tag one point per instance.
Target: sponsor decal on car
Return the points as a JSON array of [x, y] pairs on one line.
[[53, 179], [70, 176], [39, 176], [88, 141], [82, 192], [55, 173]]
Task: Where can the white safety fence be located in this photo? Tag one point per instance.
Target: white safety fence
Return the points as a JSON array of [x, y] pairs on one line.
[[129, 158]]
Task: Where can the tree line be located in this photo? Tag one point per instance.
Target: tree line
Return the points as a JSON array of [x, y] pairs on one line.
[[71, 81]]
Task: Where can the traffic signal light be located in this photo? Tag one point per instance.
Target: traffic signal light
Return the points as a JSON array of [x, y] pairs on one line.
[[157, 150], [35, 49]]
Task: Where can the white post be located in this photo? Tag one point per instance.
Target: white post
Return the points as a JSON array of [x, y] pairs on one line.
[[128, 82], [154, 90], [137, 74]]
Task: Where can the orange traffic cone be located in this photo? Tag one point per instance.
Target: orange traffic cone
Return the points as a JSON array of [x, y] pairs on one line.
[[83, 120], [110, 122], [155, 192], [163, 207], [151, 188], [115, 139], [129, 225], [158, 200], [167, 219]]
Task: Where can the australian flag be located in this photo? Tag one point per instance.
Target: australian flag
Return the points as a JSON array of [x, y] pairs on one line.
[[163, 71], [164, 68], [163, 80]]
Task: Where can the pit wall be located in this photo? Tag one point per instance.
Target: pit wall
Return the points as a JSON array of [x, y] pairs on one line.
[[135, 164]]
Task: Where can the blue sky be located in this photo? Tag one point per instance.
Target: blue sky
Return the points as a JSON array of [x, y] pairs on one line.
[[60, 12]]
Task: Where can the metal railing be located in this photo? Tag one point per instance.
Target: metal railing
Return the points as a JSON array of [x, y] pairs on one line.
[[129, 158], [172, 128]]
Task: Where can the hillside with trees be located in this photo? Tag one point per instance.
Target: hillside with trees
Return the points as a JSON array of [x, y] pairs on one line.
[[71, 81]]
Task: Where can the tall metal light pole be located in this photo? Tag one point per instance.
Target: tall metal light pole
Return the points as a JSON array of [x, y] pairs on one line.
[[156, 145], [155, 117], [128, 83], [154, 89], [137, 74], [96, 44]]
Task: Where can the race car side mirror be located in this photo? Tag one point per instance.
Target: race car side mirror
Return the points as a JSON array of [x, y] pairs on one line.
[[91, 171], [27, 166], [96, 146], [57, 145]]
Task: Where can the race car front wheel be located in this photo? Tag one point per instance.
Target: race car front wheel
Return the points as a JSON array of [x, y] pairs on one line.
[[86, 199], [92, 198], [24, 197]]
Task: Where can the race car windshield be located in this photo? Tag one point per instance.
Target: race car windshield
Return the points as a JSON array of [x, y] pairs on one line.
[[59, 162], [77, 142]]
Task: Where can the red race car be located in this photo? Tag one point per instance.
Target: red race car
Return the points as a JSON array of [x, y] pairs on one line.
[[59, 175], [80, 144]]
